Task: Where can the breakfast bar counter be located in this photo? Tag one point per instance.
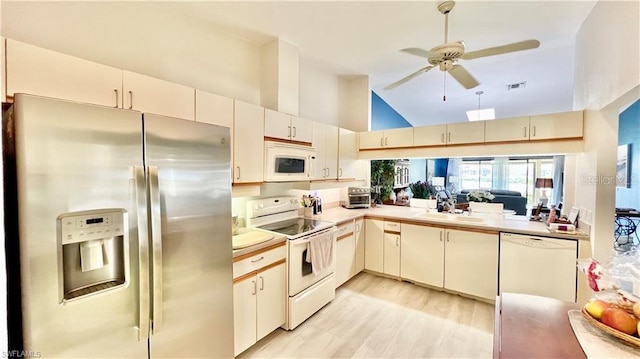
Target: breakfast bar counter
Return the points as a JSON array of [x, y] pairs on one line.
[[529, 326]]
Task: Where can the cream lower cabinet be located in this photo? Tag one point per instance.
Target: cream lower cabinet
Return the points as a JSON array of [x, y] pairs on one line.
[[422, 254], [391, 254], [258, 305], [360, 243], [374, 245], [471, 263], [345, 252]]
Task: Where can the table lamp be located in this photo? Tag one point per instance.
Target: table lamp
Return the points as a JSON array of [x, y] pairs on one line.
[[544, 183]]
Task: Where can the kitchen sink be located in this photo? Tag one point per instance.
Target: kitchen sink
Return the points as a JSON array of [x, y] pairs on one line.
[[427, 215], [247, 238], [450, 217], [470, 219]]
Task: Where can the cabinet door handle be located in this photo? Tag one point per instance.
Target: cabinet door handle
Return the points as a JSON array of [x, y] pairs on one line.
[[295, 131], [254, 287], [447, 236], [130, 100], [340, 172], [442, 137], [449, 137], [117, 102], [524, 133], [440, 236], [534, 131], [289, 127], [397, 241], [386, 141], [357, 227], [238, 167], [381, 141], [261, 283], [257, 260]]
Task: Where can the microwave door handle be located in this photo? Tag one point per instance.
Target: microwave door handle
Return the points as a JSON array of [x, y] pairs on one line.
[[310, 167]]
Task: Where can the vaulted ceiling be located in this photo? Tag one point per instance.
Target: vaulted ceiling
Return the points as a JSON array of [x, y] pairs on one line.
[[364, 38]]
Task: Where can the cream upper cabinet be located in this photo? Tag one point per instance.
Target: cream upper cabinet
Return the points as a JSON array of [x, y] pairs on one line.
[[557, 125], [287, 127], [149, 94], [430, 135], [422, 254], [347, 154], [360, 251], [325, 141], [302, 129], [391, 138], [248, 144], [34, 70], [277, 124], [465, 132], [214, 109], [374, 244], [471, 263], [507, 130]]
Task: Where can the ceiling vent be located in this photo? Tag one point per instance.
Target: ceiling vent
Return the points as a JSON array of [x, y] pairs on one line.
[[519, 85]]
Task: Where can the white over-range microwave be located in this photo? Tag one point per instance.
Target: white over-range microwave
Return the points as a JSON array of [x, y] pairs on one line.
[[285, 162]]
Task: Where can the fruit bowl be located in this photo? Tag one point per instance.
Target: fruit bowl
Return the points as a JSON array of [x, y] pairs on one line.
[[618, 334]]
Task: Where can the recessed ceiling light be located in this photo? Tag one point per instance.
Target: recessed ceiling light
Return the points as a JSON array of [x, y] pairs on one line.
[[481, 114]]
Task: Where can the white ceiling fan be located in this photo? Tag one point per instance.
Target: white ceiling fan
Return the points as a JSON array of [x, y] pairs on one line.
[[446, 55]]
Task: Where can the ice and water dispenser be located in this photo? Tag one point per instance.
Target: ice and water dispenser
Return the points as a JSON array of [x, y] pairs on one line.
[[93, 252]]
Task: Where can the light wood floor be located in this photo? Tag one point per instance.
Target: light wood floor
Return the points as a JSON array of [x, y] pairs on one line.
[[374, 317]]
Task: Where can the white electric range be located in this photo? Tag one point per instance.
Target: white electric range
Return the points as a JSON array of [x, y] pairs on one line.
[[308, 289]]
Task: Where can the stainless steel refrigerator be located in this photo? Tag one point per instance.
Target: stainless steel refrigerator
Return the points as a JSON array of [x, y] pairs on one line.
[[118, 233]]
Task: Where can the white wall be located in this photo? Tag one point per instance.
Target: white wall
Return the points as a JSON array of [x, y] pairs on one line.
[[605, 83], [318, 95]]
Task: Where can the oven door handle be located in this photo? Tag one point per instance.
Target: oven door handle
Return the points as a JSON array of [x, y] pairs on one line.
[[303, 241]]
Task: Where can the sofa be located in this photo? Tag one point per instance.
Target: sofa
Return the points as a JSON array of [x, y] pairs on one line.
[[512, 200]]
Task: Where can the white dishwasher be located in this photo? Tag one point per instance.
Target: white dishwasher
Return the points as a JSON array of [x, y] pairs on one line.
[[538, 265]]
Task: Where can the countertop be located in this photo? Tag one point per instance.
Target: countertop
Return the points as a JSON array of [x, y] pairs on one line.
[[275, 240], [529, 326], [511, 223]]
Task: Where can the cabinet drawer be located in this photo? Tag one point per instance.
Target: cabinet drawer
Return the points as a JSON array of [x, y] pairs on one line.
[[345, 228], [258, 260], [392, 226]]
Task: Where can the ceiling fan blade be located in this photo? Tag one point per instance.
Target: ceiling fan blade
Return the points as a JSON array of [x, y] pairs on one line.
[[420, 52], [463, 77], [516, 46], [407, 78]]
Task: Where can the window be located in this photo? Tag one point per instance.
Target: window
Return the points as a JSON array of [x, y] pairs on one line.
[[514, 174]]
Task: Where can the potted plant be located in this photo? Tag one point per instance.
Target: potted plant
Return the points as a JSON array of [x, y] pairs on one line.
[[382, 178], [422, 191]]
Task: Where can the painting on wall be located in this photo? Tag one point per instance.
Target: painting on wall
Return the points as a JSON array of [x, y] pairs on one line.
[[622, 167]]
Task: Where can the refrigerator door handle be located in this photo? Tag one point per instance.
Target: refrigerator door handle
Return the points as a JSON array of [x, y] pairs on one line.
[[156, 243], [143, 254]]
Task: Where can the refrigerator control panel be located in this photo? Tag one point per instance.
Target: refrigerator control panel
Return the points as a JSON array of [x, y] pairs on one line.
[[88, 225]]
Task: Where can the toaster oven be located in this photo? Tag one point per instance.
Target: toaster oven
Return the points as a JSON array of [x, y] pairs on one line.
[[356, 197]]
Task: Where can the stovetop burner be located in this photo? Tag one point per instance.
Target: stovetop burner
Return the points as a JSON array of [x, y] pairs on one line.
[[296, 226]]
